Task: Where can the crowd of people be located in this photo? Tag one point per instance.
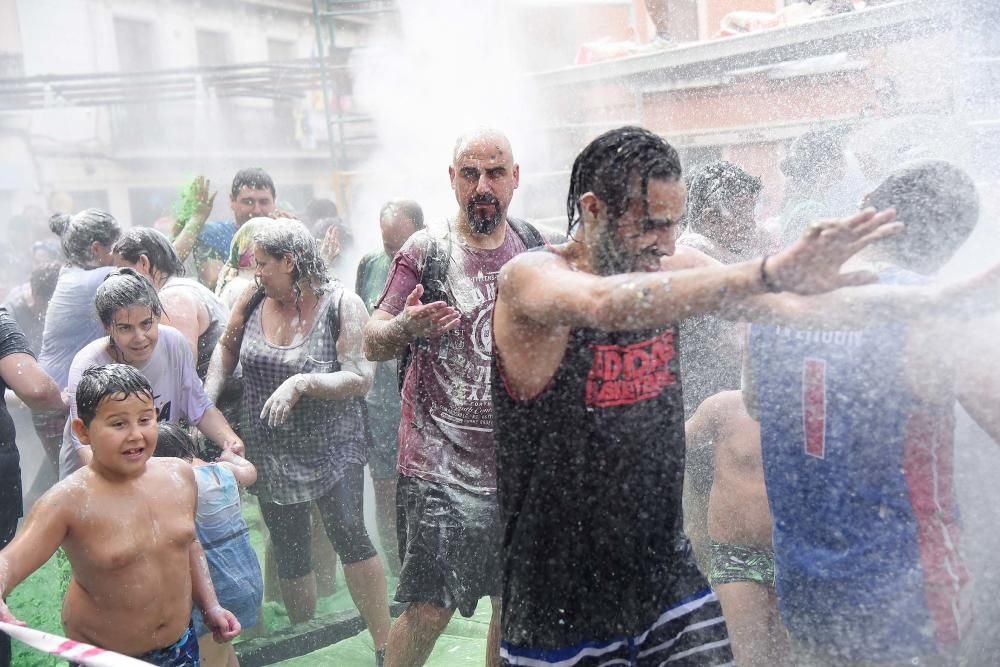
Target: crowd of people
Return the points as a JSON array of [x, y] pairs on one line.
[[517, 397]]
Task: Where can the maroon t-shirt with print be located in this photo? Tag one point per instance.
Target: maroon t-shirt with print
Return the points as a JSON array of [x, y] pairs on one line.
[[446, 429]]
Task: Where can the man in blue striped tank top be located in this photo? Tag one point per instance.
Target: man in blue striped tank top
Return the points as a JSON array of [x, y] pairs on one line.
[[857, 431]]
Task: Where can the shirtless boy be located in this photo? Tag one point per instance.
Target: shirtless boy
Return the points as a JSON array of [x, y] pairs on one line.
[[727, 519], [127, 525]]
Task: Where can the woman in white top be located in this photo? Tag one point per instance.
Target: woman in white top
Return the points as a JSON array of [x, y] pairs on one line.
[[130, 311]]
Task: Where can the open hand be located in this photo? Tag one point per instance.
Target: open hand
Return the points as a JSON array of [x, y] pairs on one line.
[[427, 320], [279, 405], [223, 624], [812, 264], [330, 246], [202, 199]]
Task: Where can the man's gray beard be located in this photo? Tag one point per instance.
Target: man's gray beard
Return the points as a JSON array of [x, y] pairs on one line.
[[485, 225]]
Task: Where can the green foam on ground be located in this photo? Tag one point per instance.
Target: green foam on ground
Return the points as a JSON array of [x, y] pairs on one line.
[[462, 643], [38, 602]]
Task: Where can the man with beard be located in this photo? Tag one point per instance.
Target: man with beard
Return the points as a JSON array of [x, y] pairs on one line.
[[435, 312], [252, 195], [589, 415], [857, 425]]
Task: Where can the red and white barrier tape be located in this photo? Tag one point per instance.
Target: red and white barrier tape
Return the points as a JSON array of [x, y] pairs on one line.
[[85, 654]]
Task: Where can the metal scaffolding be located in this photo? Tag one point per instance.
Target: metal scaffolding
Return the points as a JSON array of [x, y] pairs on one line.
[[326, 14]]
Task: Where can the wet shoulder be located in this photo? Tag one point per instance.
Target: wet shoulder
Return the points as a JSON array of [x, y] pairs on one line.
[[173, 476], [94, 353], [172, 340], [540, 257], [718, 409]]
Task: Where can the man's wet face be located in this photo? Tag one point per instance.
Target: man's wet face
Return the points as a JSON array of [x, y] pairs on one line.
[[484, 177], [250, 203], [644, 234]]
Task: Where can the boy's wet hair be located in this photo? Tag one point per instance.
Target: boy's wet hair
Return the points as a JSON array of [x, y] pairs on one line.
[[125, 288], [109, 381], [938, 205], [175, 441], [611, 164], [254, 178], [159, 251], [78, 232]]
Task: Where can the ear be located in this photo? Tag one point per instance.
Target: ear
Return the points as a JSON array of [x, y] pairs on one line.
[[591, 207], [287, 263], [517, 175], [451, 175], [143, 265], [81, 431]]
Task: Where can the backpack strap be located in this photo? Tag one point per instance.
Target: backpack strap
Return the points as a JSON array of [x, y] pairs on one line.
[[255, 300], [433, 277], [435, 273], [528, 233]]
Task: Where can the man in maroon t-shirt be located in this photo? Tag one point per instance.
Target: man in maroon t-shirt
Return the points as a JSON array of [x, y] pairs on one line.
[[450, 539]]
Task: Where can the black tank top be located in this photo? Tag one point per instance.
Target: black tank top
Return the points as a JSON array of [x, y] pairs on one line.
[[590, 476]]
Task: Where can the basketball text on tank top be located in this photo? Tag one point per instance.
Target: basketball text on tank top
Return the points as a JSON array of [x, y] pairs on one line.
[[590, 479], [859, 478]]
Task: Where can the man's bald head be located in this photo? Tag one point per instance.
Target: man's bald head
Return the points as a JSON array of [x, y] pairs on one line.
[[485, 139], [484, 176]]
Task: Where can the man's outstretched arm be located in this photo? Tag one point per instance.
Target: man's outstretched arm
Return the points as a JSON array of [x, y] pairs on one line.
[[543, 289]]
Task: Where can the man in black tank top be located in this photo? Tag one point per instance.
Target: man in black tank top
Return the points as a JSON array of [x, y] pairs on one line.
[[589, 417]]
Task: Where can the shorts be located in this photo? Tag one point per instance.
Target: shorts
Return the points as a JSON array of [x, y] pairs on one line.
[[342, 510], [182, 653], [733, 563], [383, 450], [449, 544], [691, 632]]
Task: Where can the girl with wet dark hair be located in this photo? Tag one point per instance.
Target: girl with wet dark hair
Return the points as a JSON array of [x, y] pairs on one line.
[[188, 306], [129, 309], [223, 534], [298, 337], [70, 321]]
